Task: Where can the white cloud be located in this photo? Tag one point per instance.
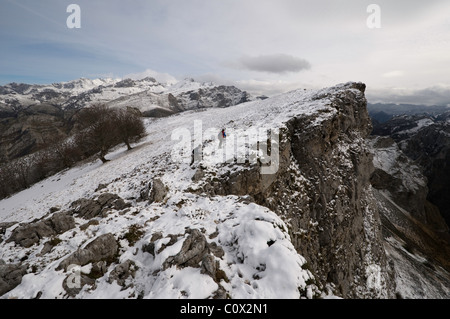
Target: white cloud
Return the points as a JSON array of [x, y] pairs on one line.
[[160, 77], [274, 63], [434, 95]]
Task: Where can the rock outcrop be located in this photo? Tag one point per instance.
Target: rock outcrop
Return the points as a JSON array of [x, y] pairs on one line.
[[10, 276], [31, 233], [415, 232], [100, 206], [322, 188], [102, 248]]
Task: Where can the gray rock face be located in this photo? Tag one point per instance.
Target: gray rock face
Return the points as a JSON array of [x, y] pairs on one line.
[[155, 191], [103, 248], [194, 249], [10, 276], [101, 206], [158, 191], [198, 253], [323, 189], [426, 140], [29, 129], [29, 234], [409, 218], [404, 180], [122, 272], [339, 209]]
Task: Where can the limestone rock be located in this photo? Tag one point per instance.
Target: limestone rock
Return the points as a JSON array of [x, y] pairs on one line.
[[100, 206], [122, 272], [4, 227], [10, 276], [158, 191], [155, 191], [192, 252], [29, 234], [103, 248]]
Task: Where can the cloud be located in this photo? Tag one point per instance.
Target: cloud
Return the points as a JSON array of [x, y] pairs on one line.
[[435, 95], [274, 63], [267, 88], [160, 77]]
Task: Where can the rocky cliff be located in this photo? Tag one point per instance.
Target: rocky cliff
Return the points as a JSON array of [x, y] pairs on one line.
[[416, 235], [426, 140], [322, 188], [290, 213]]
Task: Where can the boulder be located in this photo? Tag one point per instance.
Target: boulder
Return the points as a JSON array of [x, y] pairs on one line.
[[10, 276], [100, 206], [29, 234], [103, 248], [158, 191], [122, 272], [194, 249]]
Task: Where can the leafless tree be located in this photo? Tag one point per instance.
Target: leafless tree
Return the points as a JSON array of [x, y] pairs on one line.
[[130, 127], [97, 130]]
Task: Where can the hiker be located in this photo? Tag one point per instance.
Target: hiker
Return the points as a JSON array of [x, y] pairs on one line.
[[222, 135]]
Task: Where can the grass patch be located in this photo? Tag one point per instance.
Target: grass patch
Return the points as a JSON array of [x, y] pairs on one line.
[[134, 233]]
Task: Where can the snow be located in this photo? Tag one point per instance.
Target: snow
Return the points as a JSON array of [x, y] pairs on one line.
[[187, 85], [259, 261], [145, 94], [422, 123], [411, 283], [390, 159], [174, 284]]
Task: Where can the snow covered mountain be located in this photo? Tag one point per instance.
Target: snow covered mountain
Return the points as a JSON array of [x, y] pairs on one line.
[[82, 92], [382, 112], [33, 115], [416, 235], [426, 140], [182, 96], [286, 209]]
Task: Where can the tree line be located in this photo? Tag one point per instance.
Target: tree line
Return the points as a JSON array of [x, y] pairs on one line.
[[97, 130]]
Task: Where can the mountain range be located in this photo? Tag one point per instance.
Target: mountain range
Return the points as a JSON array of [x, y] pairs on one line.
[[382, 112]]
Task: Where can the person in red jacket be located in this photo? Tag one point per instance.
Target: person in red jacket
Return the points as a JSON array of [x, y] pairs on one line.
[[222, 135]]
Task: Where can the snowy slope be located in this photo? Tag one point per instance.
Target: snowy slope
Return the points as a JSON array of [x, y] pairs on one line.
[[414, 231], [82, 181], [259, 259]]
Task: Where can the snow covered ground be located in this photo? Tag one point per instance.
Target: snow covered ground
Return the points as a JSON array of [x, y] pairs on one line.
[[259, 259], [81, 181]]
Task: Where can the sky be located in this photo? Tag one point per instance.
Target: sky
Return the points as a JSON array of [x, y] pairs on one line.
[[400, 48]]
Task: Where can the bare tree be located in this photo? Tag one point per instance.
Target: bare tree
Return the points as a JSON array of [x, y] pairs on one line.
[[21, 168], [97, 130], [130, 127], [67, 152], [8, 182]]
